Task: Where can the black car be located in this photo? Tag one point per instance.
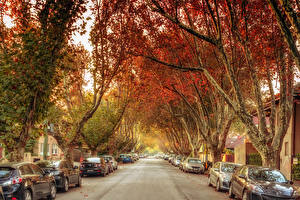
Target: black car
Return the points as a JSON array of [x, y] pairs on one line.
[[26, 181], [94, 166], [64, 172], [261, 183]]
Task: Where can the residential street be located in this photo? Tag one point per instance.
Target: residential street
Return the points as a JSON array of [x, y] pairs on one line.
[[147, 179]]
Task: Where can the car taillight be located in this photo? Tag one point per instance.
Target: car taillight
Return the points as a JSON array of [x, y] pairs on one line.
[[16, 180], [12, 181]]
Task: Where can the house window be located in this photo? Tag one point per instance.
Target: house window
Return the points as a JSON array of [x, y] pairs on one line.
[[54, 149], [41, 148], [286, 148]]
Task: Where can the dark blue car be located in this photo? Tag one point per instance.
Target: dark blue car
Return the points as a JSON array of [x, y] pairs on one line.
[[126, 158]]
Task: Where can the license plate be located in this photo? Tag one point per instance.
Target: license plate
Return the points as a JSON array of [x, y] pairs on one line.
[[90, 170]]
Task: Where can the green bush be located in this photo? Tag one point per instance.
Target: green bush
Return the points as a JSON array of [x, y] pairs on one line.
[[296, 169], [254, 159]]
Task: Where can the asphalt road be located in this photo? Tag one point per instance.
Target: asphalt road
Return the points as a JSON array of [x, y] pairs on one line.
[[147, 179]]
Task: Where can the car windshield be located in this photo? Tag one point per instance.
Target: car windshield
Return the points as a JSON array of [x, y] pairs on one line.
[[5, 172], [266, 175], [194, 161], [94, 160], [228, 168]]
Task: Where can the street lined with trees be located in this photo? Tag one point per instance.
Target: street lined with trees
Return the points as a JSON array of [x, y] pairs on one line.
[[178, 76]]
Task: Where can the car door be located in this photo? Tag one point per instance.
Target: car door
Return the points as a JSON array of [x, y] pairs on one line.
[[31, 180], [64, 169], [72, 173], [213, 174], [42, 179], [240, 181]]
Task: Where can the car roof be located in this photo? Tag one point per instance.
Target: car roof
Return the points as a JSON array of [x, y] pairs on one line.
[[14, 164], [259, 167], [231, 163]]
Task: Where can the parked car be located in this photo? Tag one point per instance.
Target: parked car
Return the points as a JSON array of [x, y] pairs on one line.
[[112, 160], [94, 166], [64, 172], [256, 182], [193, 165], [220, 175], [135, 156], [109, 164], [127, 159], [171, 158], [181, 163], [166, 157], [131, 158], [26, 181]]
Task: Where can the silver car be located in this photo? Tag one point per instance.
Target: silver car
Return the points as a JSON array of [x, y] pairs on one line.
[[220, 175], [112, 160], [193, 165]]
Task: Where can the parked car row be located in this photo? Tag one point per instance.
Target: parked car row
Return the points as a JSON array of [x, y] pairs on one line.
[[128, 158], [186, 164], [246, 182], [42, 179], [249, 182]]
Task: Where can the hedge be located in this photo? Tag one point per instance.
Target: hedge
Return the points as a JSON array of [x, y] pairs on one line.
[[254, 159]]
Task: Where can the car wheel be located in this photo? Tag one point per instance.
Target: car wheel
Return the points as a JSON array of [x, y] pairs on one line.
[[218, 186], [209, 182], [27, 195], [52, 192], [79, 182], [66, 185], [245, 195], [231, 195]]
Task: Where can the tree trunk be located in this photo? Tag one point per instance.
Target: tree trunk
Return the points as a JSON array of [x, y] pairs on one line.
[[17, 154], [271, 158], [68, 154], [216, 155]]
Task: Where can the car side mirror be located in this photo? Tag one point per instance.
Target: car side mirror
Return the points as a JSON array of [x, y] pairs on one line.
[[291, 182]]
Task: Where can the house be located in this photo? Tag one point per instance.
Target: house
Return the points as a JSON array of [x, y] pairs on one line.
[[290, 145], [243, 150], [53, 151]]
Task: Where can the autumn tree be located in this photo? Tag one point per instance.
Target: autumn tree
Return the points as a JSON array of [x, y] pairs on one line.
[[222, 26], [108, 56], [30, 55], [288, 21]]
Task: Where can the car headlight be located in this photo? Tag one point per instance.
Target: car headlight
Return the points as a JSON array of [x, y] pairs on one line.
[[189, 167], [256, 189], [224, 177]]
